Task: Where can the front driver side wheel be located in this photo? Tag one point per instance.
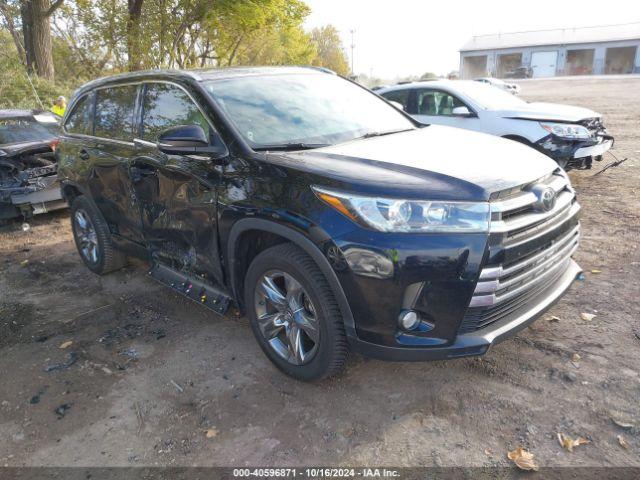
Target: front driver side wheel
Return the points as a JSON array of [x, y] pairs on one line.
[[294, 314]]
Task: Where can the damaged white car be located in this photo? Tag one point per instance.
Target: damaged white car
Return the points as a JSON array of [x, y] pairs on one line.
[[573, 136], [28, 169]]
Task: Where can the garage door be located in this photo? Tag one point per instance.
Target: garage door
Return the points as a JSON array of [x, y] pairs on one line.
[[544, 63]]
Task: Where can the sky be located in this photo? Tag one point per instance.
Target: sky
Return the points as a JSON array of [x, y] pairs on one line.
[[410, 37]]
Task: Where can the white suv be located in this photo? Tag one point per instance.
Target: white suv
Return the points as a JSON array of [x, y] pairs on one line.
[[572, 136]]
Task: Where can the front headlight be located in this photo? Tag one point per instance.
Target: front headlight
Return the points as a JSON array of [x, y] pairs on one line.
[[565, 130], [397, 215]]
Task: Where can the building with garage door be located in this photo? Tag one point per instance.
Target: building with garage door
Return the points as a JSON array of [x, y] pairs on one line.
[[610, 49]]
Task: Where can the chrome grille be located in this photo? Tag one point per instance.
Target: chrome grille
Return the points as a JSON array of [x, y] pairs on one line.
[[536, 248]]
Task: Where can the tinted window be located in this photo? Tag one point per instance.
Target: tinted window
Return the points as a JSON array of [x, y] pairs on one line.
[[166, 106], [81, 118], [434, 102], [114, 112], [400, 96]]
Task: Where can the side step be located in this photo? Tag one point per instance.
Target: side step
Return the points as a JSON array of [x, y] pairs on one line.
[[191, 287]]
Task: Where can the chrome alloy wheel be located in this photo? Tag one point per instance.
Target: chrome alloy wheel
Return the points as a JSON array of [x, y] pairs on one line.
[[287, 317], [86, 235]]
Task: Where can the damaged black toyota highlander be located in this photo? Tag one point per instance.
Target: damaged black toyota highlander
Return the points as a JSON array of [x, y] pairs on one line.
[[330, 218], [28, 179]]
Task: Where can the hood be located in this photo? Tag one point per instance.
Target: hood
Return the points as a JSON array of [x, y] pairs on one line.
[[11, 149], [435, 162], [549, 111]]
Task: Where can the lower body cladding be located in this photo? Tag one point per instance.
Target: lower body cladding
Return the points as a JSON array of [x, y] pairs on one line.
[[574, 154], [467, 291]]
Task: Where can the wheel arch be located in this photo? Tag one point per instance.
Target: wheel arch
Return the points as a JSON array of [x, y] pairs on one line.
[[278, 233], [518, 138]]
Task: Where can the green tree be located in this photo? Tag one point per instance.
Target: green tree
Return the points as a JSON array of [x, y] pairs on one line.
[[428, 76], [330, 53]]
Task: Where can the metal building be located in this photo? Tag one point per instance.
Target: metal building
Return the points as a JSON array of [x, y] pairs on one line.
[[610, 49]]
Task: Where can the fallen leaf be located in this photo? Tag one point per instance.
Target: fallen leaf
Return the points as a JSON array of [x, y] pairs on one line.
[[587, 317], [625, 425], [66, 344], [554, 319], [212, 432], [623, 443], [596, 271], [24, 262], [568, 443], [488, 451], [522, 459], [575, 357]]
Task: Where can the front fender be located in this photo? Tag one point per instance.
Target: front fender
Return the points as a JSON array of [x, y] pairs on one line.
[[302, 241]]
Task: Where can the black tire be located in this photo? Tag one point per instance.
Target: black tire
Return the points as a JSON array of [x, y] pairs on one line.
[[332, 347], [107, 258]]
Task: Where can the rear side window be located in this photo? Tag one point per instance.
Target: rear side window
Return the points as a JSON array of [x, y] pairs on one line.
[[400, 96], [80, 120], [166, 106], [114, 112], [435, 102]]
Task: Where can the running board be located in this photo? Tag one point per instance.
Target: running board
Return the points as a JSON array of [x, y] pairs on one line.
[[191, 287]]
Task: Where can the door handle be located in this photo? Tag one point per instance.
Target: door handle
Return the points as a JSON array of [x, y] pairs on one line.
[[84, 155]]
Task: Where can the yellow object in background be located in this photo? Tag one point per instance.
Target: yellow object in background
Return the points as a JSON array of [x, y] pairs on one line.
[[59, 106], [58, 110]]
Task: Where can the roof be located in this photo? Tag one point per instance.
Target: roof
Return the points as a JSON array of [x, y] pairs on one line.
[[422, 83], [197, 75], [560, 36], [16, 113]]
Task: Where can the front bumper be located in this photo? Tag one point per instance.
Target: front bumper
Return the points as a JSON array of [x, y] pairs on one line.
[[478, 342], [575, 154]]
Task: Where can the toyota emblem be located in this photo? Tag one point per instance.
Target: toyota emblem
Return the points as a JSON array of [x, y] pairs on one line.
[[546, 198]]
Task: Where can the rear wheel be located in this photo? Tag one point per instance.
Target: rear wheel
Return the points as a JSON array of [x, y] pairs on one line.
[[294, 314], [93, 239]]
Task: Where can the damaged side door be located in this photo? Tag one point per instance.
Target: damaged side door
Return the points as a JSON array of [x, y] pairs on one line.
[[177, 193], [107, 156]]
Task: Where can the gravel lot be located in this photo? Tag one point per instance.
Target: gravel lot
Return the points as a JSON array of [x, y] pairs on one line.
[[151, 373]]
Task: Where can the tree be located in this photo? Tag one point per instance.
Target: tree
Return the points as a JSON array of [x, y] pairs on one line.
[[330, 51], [36, 31], [428, 76], [134, 34], [7, 15]]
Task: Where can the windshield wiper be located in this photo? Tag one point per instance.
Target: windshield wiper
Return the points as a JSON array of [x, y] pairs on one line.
[[381, 134], [291, 146]]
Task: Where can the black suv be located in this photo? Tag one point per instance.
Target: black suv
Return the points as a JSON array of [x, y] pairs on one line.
[[328, 216]]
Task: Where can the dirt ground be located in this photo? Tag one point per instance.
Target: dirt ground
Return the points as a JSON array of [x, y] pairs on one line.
[[149, 373]]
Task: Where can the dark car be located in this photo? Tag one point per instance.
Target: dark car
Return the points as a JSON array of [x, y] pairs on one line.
[[520, 72], [331, 218], [28, 180]]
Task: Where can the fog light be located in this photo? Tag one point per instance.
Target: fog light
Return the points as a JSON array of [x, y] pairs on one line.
[[408, 320]]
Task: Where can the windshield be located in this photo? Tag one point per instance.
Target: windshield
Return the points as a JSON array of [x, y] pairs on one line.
[[313, 109], [488, 96], [17, 130]]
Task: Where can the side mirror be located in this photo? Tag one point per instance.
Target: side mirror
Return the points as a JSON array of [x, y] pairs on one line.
[[461, 112], [191, 140]]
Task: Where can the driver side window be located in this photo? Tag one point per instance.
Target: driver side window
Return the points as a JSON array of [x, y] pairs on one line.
[[166, 106], [436, 103]]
